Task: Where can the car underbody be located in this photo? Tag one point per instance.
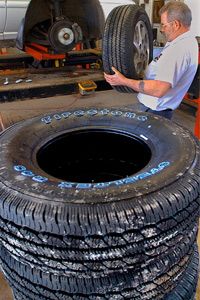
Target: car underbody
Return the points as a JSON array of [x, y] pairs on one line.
[[59, 26]]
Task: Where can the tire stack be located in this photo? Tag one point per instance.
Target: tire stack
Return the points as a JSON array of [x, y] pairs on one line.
[[131, 238]]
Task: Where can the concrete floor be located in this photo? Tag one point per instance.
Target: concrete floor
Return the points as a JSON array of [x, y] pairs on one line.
[[12, 112], [20, 110]]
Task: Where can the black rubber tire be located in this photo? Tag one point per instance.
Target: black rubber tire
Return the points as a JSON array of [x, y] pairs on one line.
[[53, 254], [166, 184], [31, 283], [143, 215], [99, 226], [122, 43], [187, 285]]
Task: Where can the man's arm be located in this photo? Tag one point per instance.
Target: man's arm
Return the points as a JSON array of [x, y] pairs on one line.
[[155, 88]]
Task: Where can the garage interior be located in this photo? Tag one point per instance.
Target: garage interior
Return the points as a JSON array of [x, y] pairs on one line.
[[51, 86]]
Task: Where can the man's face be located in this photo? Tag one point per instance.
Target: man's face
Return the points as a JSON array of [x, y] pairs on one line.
[[167, 28]]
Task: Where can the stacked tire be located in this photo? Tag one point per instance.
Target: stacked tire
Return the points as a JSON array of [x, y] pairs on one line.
[[99, 204]]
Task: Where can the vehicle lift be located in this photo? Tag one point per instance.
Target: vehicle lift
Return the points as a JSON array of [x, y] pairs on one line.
[[61, 49], [40, 52]]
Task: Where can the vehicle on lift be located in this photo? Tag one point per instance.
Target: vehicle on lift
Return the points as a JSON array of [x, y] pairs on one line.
[[57, 24]]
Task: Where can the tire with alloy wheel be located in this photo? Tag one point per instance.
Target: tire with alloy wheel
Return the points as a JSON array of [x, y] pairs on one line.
[[127, 42]]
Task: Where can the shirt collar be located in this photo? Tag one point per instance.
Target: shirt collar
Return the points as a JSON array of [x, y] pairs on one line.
[[182, 36]]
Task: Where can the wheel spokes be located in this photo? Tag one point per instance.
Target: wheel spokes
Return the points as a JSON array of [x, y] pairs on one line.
[[141, 43]]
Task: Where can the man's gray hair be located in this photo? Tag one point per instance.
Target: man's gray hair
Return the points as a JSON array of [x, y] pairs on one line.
[[177, 11]]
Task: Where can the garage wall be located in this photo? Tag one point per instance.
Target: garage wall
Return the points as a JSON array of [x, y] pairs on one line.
[[108, 5], [194, 5]]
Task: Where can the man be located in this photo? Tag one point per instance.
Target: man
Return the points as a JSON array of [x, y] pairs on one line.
[[169, 76]]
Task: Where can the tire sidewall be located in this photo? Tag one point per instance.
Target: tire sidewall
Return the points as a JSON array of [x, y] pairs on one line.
[[173, 154]]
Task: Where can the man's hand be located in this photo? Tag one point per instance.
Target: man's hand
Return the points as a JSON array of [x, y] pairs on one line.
[[155, 88], [115, 79]]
